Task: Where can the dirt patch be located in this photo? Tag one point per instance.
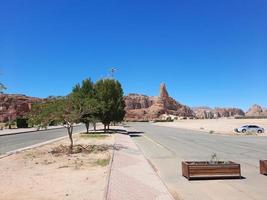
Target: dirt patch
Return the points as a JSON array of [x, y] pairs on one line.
[[83, 149], [49, 172], [215, 126]]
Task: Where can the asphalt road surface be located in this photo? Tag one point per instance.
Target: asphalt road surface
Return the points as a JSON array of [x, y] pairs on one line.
[[165, 148], [13, 142]]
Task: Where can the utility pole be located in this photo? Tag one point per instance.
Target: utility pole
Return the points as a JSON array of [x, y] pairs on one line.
[[112, 71]]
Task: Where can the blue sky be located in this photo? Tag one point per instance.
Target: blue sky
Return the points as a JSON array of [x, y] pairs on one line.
[[207, 52]]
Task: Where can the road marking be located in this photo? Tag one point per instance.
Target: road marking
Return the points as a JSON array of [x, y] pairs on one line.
[[153, 141]]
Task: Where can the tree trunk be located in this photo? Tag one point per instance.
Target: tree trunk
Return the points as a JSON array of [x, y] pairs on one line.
[[87, 127], [108, 126], [94, 126], [105, 127], [70, 130]]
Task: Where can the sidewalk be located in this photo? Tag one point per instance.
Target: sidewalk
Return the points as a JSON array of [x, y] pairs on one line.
[[131, 176]]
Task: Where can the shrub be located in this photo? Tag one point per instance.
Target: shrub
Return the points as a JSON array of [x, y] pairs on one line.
[[10, 124], [211, 132], [22, 123], [53, 123]]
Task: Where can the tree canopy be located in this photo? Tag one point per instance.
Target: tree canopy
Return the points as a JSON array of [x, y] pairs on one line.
[[109, 95], [87, 103], [84, 95], [63, 110]]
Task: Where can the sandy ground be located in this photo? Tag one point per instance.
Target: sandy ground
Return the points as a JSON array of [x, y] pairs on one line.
[[43, 175], [224, 126]]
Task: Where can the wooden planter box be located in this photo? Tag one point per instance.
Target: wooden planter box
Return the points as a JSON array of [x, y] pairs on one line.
[[263, 167], [204, 169]]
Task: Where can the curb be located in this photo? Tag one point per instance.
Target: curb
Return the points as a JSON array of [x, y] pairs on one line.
[[34, 146], [105, 196]]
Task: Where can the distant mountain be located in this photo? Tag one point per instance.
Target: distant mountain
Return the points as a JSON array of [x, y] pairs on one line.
[[138, 107], [256, 110], [211, 113], [142, 107]]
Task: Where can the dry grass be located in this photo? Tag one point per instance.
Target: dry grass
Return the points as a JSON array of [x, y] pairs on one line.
[[102, 162]]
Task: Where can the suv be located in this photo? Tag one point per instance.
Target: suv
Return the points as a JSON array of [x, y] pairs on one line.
[[250, 128]]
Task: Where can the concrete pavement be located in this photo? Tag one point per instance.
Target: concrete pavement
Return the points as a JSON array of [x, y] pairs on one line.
[[131, 176], [167, 147]]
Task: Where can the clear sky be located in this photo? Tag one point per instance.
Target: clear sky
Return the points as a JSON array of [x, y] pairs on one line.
[[207, 52]]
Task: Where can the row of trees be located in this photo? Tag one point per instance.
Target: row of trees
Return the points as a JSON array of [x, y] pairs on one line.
[[87, 103]]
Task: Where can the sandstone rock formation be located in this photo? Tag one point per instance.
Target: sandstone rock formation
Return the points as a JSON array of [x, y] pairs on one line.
[[203, 112], [209, 113], [142, 107], [15, 105], [256, 110], [138, 107]]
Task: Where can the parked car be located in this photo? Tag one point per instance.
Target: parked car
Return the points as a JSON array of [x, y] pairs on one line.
[[250, 128]]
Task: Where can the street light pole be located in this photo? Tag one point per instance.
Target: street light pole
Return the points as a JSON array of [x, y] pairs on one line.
[[112, 71]]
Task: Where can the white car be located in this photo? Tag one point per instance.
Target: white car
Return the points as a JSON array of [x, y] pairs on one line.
[[250, 128]]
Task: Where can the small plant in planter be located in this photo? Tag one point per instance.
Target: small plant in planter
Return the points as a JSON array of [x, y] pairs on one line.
[[214, 159], [210, 169], [211, 132]]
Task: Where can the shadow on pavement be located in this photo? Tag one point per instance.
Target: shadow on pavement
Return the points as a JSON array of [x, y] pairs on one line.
[[133, 135]]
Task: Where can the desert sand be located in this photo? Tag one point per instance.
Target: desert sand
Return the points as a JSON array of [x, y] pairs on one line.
[[44, 174], [222, 125]]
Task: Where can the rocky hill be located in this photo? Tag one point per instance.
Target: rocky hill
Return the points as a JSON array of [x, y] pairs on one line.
[[141, 107], [15, 105], [210, 113], [138, 107], [256, 110]]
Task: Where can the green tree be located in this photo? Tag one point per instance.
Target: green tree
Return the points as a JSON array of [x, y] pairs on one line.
[[64, 109], [109, 95], [85, 97], [41, 114]]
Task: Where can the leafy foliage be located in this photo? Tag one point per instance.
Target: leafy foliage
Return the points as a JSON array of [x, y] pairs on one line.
[[63, 110], [22, 122], [85, 98], [87, 103], [109, 95]]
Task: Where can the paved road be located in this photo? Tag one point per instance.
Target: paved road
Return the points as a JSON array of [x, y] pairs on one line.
[[167, 147], [13, 142]]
